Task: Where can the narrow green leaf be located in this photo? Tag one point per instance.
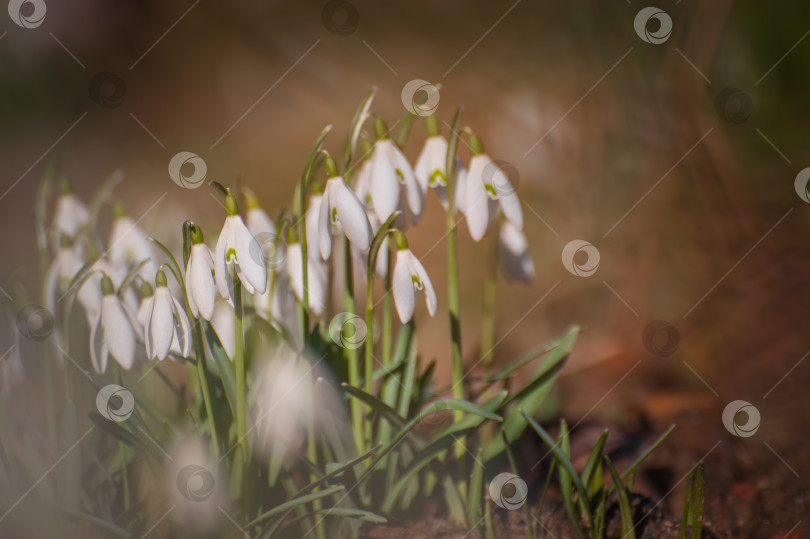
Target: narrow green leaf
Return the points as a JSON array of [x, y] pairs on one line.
[[454, 503], [104, 193], [224, 366], [376, 404], [629, 474], [697, 502], [68, 473], [404, 130], [177, 270], [591, 467], [566, 479], [356, 127], [292, 504], [686, 517], [628, 526], [475, 492]]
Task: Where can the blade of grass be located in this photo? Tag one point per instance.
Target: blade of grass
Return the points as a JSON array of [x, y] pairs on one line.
[[628, 526]]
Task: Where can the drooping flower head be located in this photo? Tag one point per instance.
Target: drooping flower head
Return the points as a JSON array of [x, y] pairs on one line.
[[70, 214], [487, 188], [431, 166], [130, 246], [409, 277], [513, 250], [200, 284], [167, 325], [390, 174], [117, 333], [341, 207], [316, 275], [237, 254]]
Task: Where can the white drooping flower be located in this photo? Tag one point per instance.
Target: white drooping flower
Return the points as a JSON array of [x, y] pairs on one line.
[[65, 265], [130, 246], [201, 286], [390, 174], [313, 220], [486, 188], [238, 253], [316, 278], [340, 206], [362, 182], [409, 277], [513, 250], [167, 323], [70, 214], [117, 335], [257, 220], [431, 166]]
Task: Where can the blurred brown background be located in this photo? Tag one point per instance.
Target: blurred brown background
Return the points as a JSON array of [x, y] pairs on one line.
[[597, 123]]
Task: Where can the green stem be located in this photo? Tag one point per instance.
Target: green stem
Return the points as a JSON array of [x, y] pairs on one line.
[[488, 321], [349, 352], [241, 382], [387, 307], [205, 386], [122, 454]]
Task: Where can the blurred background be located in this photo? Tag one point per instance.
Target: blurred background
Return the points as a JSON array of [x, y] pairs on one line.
[[675, 156]]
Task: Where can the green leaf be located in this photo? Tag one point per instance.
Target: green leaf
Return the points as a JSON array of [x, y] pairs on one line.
[[68, 473], [628, 527], [566, 478], [532, 396], [177, 270], [513, 366], [376, 243], [223, 363], [475, 492], [697, 502], [104, 193], [454, 503], [629, 474], [450, 161], [404, 130], [41, 208], [594, 459], [292, 504], [376, 404], [356, 127]]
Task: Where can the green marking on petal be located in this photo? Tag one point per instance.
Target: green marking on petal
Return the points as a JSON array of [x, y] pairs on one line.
[[334, 216], [401, 176], [437, 178], [230, 254], [417, 282], [493, 194]]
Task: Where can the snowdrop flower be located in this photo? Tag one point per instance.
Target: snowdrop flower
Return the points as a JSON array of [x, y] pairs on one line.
[[513, 250], [200, 284], [144, 308], [257, 220], [313, 219], [234, 253], [431, 169], [65, 265], [70, 214], [410, 276], [389, 169], [341, 205], [166, 324], [362, 183], [117, 334], [316, 277], [486, 187], [130, 246], [222, 321]]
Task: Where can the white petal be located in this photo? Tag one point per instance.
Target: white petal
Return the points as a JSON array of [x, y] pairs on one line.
[[224, 327], [118, 333], [427, 286], [514, 252], [252, 262], [461, 187], [362, 185], [324, 228], [70, 214], [313, 227], [316, 281], [295, 270], [183, 333], [384, 181], [402, 286], [148, 306], [510, 205], [161, 323], [413, 193], [352, 214], [220, 271], [202, 290], [94, 345], [476, 205], [258, 222]]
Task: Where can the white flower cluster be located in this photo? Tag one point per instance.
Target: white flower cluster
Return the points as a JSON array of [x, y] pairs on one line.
[[108, 284]]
